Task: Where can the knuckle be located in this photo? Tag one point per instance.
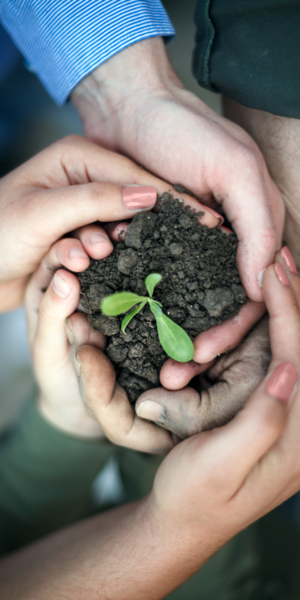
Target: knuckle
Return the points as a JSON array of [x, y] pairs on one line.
[[251, 158]]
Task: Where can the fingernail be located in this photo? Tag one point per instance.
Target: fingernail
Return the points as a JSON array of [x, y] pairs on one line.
[[281, 383], [120, 231], [216, 214], [288, 259], [281, 274], [139, 197], [60, 287], [78, 253], [99, 238], [150, 410], [226, 230], [260, 277]]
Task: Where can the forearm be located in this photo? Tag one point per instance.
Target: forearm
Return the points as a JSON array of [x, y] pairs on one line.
[[124, 554], [45, 479]]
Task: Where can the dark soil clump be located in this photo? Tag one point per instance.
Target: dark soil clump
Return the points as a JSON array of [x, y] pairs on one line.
[[200, 287]]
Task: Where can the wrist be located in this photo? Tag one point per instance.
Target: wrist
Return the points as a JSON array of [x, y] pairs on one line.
[[107, 98], [75, 421], [182, 545]]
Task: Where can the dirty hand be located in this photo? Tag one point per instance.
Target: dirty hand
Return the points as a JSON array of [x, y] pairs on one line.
[[70, 184], [220, 393], [231, 476], [134, 103], [66, 354]]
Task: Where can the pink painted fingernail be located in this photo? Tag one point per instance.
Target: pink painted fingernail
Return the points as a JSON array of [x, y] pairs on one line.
[[150, 410], [77, 253], [281, 383], [216, 214], [288, 259], [281, 274], [60, 287], [140, 197], [99, 238]]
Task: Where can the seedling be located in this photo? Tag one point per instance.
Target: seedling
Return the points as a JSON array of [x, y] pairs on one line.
[[174, 340]]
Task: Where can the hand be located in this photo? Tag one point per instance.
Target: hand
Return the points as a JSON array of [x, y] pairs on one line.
[[63, 188], [220, 393], [59, 398], [147, 114], [207, 489], [216, 483], [65, 355]]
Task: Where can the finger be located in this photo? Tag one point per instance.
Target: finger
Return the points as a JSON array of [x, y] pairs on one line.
[[259, 230], [94, 240], [175, 375], [116, 231], [227, 386], [51, 346], [79, 329], [177, 411], [286, 259], [69, 253], [102, 165], [79, 205], [66, 252], [222, 338], [253, 431], [110, 405], [284, 316]]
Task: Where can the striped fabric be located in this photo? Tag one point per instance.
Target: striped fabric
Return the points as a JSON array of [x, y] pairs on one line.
[[64, 40]]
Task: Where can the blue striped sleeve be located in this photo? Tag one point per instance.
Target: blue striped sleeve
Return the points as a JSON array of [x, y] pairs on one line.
[[64, 40]]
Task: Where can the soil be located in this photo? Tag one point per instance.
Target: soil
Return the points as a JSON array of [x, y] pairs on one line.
[[200, 287]]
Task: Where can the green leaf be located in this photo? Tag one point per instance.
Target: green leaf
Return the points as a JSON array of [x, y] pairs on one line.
[[118, 303], [174, 340], [151, 281], [155, 307], [130, 315]]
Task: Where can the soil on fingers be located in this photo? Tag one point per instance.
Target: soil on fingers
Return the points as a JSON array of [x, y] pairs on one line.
[[200, 287]]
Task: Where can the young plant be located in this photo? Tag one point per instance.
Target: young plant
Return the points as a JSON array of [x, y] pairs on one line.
[[174, 340]]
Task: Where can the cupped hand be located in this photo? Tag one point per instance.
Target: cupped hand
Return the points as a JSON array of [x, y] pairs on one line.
[[217, 395], [148, 115], [59, 398], [77, 383], [71, 184], [216, 483]]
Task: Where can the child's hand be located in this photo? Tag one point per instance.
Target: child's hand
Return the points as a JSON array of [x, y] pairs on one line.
[[59, 398], [56, 347]]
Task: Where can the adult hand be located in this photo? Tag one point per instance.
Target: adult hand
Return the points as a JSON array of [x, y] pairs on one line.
[[63, 188], [218, 394], [134, 103], [231, 476], [207, 489]]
